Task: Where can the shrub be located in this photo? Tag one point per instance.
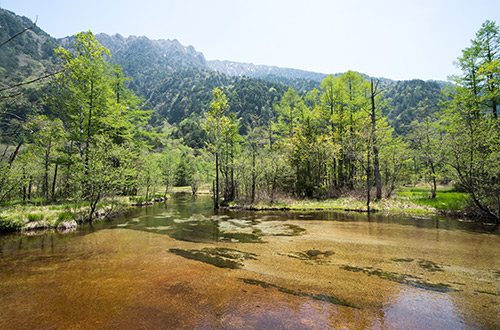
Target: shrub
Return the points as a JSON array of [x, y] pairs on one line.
[[10, 224], [66, 215]]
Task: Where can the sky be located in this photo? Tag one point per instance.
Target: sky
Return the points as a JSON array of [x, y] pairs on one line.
[[396, 39]]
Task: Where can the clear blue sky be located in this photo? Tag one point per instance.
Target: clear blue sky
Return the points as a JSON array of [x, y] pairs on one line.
[[396, 39]]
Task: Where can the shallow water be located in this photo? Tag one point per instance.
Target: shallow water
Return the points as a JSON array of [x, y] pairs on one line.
[[180, 266]]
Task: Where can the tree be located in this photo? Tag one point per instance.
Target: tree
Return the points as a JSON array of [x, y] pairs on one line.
[[149, 174], [254, 143], [394, 159], [472, 135], [426, 137], [168, 162], [290, 112], [185, 170], [487, 43], [374, 92], [100, 116], [47, 135], [216, 125], [473, 154]]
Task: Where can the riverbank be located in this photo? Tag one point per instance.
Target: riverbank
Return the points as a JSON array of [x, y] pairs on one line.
[[65, 216], [409, 201]]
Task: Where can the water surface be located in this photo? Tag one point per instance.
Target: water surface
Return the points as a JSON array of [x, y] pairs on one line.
[[179, 265]]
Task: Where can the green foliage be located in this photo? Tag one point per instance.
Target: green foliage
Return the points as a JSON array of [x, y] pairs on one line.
[[192, 133], [472, 126], [10, 224], [185, 171], [35, 217], [65, 216]]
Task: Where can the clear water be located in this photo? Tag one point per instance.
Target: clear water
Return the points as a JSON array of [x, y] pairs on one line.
[[179, 265]]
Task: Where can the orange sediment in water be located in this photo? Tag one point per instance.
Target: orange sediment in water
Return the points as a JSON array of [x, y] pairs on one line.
[[328, 274]]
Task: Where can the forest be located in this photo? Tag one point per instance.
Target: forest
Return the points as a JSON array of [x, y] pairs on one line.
[[91, 132]]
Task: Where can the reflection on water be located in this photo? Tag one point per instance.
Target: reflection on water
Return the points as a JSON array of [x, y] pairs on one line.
[[179, 265], [424, 309]]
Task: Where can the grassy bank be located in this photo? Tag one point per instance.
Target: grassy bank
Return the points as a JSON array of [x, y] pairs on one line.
[[38, 214], [414, 201], [62, 215]]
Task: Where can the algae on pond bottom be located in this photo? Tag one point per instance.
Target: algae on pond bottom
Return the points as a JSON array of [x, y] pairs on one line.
[[321, 297], [219, 257]]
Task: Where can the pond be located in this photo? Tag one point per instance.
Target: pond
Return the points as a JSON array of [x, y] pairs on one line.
[[180, 265]]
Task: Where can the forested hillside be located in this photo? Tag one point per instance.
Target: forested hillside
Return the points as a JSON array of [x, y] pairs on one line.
[[176, 81], [412, 100], [28, 57]]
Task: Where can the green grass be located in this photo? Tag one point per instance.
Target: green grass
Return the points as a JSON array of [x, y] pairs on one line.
[[35, 217], [414, 201], [17, 215], [446, 199]]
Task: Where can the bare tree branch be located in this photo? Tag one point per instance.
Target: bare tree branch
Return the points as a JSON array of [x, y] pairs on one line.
[[19, 33], [29, 82], [10, 95], [10, 114]]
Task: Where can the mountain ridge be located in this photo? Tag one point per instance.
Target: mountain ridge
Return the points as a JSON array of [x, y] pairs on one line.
[[177, 81]]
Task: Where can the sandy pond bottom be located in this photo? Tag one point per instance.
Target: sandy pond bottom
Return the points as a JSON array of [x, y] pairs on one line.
[[340, 275]]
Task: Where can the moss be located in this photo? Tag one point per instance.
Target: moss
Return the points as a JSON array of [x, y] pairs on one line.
[[265, 285], [429, 265], [295, 230], [438, 287], [321, 297], [199, 230], [403, 259], [488, 292], [257, 231], [241, 237], [311, 255], [219, 257], [407, 279]]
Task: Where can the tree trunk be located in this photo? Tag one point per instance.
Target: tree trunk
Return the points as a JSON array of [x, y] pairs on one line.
[[54, 185], [166, 190], [232, 194], [434, 185], [376, 170], [376, 167], [368, 184], [253, 178], [93, 206], [29, 187], [45, 186], [15, 153], [216, 199], [24, 185]]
